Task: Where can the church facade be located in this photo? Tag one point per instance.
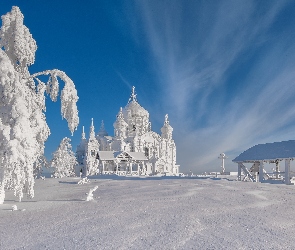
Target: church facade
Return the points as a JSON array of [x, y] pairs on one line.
[[133, 150]]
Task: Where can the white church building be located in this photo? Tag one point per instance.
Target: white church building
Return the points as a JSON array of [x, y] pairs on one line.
[[133, 150]]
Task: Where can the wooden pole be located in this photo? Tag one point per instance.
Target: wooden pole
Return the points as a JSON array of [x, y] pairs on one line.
[[239, 172], [261, 173], [287, 172]]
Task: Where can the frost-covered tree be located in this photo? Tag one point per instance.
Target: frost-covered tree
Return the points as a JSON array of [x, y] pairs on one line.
[[23, 128], [38, 166], [64, 160]]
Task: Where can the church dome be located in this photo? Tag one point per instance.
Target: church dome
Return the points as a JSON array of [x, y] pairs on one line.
[[133, 108]]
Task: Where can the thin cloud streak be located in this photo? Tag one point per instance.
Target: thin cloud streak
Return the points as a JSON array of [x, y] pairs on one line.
[[124, 80], [213, 111]]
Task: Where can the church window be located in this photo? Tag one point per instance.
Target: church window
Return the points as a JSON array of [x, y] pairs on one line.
[[146, 152], [92, 153]]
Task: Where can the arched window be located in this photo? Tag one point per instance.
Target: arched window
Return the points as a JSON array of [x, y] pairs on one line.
[[146, 152]]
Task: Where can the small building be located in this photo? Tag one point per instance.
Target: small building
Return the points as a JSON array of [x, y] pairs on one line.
[[122, 162], [275, 153]]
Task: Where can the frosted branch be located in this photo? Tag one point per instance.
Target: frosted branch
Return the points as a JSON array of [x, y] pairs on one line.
[[69, 95]]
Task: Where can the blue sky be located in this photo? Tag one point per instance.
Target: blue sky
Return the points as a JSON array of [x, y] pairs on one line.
[[224, 71]]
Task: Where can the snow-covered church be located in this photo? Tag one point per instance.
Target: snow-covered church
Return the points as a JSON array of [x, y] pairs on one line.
[[133, 150]]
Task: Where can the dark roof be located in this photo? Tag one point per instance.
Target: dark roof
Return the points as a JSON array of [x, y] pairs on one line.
[[268, 151]]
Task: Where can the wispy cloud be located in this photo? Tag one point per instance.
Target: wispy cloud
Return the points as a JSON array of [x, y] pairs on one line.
[[124, 80], [227, 74]]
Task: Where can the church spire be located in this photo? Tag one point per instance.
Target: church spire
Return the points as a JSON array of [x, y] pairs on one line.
[[120, 115], [83, 134], [132, 96], [102, 131], [166, 122], [92, 133]]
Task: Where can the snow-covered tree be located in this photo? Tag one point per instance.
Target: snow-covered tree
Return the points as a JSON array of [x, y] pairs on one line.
[[38, 166], [64, 160], [23, 128]]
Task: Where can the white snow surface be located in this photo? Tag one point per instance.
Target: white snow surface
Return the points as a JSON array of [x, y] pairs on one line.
[[150, 213]]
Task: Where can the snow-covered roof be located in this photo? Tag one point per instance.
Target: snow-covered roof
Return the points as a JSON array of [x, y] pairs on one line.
[[106, 155], [268, 151], [112, 155], [140, 156]]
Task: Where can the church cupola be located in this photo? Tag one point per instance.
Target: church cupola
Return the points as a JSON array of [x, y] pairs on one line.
[[166, 129], [120, 126], [136, 116]]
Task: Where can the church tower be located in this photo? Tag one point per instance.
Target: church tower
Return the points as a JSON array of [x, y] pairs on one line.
[[102, 138], [120, 126], [91, 152], [120, 131], [169, 147], [80, 154], [166, 129]]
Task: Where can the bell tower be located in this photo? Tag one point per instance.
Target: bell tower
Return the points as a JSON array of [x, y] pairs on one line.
[[120, 126], [167, 129], [91, 152]]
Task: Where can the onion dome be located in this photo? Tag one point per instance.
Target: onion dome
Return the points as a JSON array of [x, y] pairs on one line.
[[133, 108]]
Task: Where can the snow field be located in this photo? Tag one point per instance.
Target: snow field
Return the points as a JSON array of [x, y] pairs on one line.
[[150, 213]]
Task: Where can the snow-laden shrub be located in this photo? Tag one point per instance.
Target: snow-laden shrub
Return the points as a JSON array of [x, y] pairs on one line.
[[23, 127], [83, 181], [64, 160], [90, 194]]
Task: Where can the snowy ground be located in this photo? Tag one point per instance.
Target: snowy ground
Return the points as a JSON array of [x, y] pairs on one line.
[[151, 213]]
